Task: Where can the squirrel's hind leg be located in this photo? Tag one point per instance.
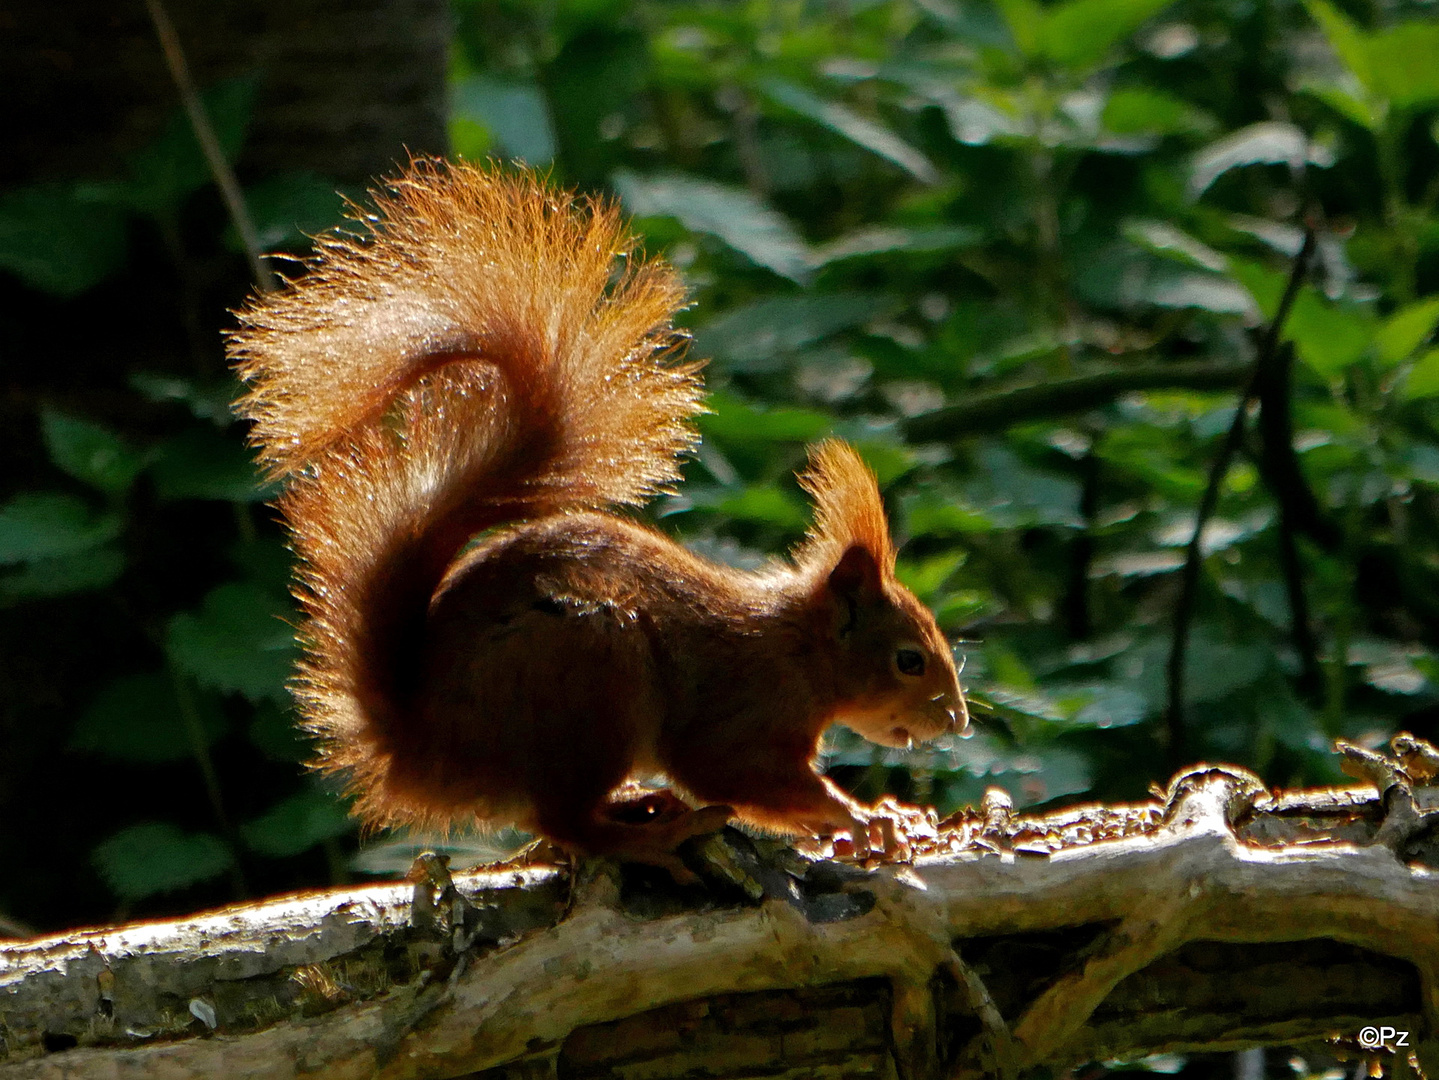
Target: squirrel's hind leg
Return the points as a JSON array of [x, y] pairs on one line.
[[648, 829], [791, 800]]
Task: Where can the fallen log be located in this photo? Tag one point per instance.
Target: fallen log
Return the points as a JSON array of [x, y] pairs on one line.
[[1218, 916]]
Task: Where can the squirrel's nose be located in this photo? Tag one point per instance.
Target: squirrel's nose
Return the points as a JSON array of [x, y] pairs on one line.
[[953, 704]]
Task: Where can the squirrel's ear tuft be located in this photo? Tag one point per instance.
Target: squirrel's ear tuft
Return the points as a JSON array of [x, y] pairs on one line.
[[849, 517]]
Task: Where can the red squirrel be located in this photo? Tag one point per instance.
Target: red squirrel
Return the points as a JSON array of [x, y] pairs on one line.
[[459, 400]]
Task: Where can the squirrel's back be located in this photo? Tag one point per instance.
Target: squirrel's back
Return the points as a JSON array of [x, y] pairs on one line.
[[487, 352]]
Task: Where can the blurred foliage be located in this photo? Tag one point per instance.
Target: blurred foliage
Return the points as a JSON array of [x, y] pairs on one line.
[[1019, 252]]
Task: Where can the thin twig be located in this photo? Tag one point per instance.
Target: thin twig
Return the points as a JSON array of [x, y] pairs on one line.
[[1194, 557], [220, 170], [1305, 644], [1279, 466], [1001, 409]]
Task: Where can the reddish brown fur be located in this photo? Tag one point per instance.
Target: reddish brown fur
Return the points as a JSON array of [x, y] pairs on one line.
[[473, 363]]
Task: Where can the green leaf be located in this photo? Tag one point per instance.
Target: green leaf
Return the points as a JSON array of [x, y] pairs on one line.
[[209, 400], [1420, 462], [1220, 533], [1346, 39], [1031, 773], [887, 460], [97, 568], [297, 824], [289, 209], [859, 130], [139, 718], [1078, 34], [1143, 453], [1329, 337], [732, 214], [1169, 241], [1266, 286], [145, 860], [893, 240], [1406, 64], [1142, 111], [56, 241], [1423, 380], [1286, 239], [1361, 110], [203, 463], [925, 577], [1399, 65], [1004, 667], [1013, 493], [1207, 292], [965, 607], [599, 76], [732, 420], [90, 452], [515, 113], [765, 504], [1215, 667], [1333, 419], [1405, 330], [1270, 142], [238, 642], [1138, 564], [1026, 24], [757, 336], [51, 526], [936, 515], [976, 122], [1101, 705], [470, 140]]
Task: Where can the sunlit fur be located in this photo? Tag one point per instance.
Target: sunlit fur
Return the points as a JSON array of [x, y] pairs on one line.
[[418, 384], [878, 701], [489, 357], [847, 509]]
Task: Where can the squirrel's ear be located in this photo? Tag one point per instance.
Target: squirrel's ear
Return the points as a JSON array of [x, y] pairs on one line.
[[857, 576], [850, 539], [857, 581]]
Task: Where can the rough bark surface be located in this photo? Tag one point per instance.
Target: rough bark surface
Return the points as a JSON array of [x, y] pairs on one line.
[[1221, 916]]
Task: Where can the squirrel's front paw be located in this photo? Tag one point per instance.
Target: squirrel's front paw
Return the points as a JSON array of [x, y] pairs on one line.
[[885, 834], [857, 845], [840, 835]]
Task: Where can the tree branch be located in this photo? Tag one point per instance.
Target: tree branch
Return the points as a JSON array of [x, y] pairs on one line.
[[1087, 934], [1001, 409]]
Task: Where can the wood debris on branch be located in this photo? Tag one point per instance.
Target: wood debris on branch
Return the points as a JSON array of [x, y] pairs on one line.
[[1219, 916]]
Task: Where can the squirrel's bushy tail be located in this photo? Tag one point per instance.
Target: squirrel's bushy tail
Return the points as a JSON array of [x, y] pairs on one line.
[[477, 358]]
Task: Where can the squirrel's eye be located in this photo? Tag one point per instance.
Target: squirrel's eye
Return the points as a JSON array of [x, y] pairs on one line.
[[909, 661]]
